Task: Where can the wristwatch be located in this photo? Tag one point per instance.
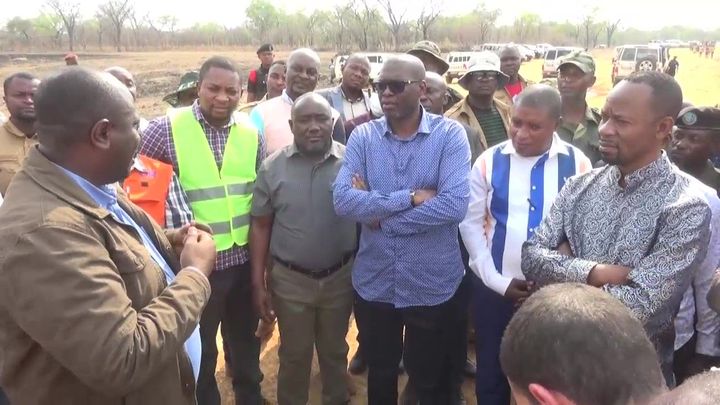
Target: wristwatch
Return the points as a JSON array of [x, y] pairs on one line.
[[412, 198]]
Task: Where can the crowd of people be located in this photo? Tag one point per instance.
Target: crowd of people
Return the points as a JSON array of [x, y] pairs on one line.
[[577, 248]]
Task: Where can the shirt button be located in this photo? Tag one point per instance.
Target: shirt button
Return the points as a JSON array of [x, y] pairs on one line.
[[533, 188], [532, 208]]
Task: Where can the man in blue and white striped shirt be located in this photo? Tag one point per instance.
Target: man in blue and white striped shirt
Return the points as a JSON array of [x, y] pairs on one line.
[[512, 186]]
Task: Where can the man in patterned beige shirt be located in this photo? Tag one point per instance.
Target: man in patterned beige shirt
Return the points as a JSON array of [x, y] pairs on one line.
[[635, 228]]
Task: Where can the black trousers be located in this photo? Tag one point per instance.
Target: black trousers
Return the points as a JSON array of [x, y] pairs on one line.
[[3, 398], [430, 353], [230, 305]]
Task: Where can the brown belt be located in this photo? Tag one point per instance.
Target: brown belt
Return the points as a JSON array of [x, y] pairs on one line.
[[317, 274]]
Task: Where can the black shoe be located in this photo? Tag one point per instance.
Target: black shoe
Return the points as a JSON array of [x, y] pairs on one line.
[[470, 370], [357, 364]]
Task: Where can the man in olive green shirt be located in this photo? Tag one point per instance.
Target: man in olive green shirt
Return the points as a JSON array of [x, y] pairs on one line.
[[579, 123], [309, 286], [17, 134]]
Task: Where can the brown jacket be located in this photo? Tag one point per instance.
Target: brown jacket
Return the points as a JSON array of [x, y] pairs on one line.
[[14, 147], [85, 313], [463, 113]]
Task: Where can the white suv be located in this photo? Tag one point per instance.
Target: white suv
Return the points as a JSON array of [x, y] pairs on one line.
[[637, 58], [552, 55], [459, 63]]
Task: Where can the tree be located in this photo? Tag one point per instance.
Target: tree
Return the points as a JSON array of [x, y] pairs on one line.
[[20, 27], [117, 12], [263, 16], [524, 25], [610, 28], [429, 14], [396, 20], [69, 13], [485, 19], [49, 26], [363, 21]]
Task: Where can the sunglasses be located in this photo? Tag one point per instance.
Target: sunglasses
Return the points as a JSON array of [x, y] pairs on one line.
[[483, 75], [395, 86]]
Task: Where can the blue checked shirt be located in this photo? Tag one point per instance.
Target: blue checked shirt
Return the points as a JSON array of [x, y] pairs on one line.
[[413, 259]]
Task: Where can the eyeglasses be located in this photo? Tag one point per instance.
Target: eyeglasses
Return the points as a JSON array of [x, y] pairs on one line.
[[395, 86], [483, 75]]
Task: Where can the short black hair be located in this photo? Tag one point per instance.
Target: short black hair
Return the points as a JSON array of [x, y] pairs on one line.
[[543, 97], [18, 75], [582, 342], [667, 97], [69, 103], [220, 62]]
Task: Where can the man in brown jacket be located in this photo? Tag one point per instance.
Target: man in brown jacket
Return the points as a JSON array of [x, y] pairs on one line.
[[97, 304]]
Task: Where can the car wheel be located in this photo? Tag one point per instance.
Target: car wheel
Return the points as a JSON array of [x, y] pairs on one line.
[[646, 65]]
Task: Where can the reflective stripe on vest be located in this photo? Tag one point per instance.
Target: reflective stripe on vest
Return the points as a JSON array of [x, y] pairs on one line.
[[219, 198]]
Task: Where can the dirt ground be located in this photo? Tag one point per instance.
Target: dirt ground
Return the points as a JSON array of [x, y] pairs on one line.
[[158, 73]]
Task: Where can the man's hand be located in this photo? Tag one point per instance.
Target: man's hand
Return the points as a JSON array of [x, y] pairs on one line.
[[565, 249], [358, 183], [177, 237], [198, 251], [262, 303], [422, 195], [603, 274], [518, 289]]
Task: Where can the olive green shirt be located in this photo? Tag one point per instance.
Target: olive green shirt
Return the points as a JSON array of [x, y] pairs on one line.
[[14, 147], [298, 191], [585, 136]]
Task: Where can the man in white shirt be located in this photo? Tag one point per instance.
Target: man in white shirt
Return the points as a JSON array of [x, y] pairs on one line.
[[512, 186]]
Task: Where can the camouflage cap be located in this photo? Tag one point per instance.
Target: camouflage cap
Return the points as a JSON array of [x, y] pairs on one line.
[[582, 59], [700, 118], [189, 80], [432, 49]]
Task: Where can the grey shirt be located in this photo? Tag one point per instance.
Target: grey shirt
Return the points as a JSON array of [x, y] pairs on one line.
[[298, 191]]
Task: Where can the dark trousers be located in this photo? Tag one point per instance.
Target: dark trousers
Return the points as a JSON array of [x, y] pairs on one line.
[[3, 398], [231, 306], [430, 333], [683, 359], [491, 315], [460, 345]]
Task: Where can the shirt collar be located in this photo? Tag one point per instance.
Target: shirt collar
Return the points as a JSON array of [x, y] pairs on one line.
[[590, 116], [657, 169], [201, 118], [11, 128], [557, 147], [284, 97], [423, 128], [334, 151], [105, 196]]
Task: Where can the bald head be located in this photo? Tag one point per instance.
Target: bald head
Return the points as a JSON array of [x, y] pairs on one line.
[[542, 97], [303, 68], [70, 103], [435, 93], [701, 389], [311, 101], [510, 50], [435, 80], [311, 124], [402, 67], [125, 77]]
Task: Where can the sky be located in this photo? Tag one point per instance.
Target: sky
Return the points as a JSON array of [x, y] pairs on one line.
[[640, 14]]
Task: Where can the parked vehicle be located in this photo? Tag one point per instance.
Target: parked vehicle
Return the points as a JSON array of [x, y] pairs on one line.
[[550, 65], [637, 58], [459, 63], [376, 61]]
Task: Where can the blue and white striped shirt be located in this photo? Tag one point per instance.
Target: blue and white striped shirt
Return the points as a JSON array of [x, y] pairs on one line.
[[414, 258], [509, 196]]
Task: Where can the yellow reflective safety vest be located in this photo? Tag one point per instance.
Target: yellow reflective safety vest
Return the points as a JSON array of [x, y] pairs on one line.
[[219, 198]]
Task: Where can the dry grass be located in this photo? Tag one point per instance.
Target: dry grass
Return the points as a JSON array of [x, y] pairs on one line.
[[158, 73]]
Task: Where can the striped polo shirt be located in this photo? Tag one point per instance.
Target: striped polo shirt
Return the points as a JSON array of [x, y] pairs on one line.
[[509, 196]]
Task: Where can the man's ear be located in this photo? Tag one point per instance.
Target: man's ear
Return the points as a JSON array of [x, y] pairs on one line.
[[544, 396], [100, 134], [665, 128]]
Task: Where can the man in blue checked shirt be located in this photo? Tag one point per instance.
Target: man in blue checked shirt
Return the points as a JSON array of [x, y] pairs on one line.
[[405, 179]]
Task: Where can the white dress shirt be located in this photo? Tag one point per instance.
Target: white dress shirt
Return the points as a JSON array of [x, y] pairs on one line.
[[509, 196], [694, 301]]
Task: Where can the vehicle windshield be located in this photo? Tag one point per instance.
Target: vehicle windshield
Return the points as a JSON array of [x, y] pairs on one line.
[[644, 53]]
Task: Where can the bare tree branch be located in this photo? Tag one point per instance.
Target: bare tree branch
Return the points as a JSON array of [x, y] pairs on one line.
[[69, 13], [117, 11]]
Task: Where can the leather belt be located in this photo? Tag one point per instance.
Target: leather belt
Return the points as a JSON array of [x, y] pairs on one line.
[[317, 274]]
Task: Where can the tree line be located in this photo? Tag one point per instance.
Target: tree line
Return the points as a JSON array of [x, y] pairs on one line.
[[353, 25]]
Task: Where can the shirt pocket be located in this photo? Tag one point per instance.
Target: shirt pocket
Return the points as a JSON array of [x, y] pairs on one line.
[[9, 166], [141, 281]]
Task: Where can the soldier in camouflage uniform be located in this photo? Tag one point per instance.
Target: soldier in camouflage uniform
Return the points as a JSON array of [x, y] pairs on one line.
[[429, 53], [579, 122]]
